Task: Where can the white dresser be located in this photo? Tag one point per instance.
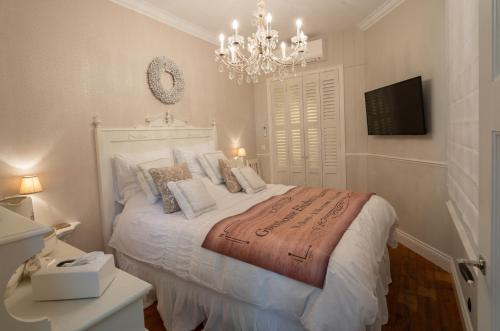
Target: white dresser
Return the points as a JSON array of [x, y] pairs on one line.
[[120, 308]]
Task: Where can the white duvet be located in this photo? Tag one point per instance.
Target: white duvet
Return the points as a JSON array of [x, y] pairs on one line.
[[171, 242]]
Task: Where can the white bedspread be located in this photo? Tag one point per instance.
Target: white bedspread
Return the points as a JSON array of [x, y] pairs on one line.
[[348, 300]]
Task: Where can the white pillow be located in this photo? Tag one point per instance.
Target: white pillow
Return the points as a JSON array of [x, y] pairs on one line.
[[248, 179], [189, 155], [146, 181], [192, 197], [210, 163], [125, 167]]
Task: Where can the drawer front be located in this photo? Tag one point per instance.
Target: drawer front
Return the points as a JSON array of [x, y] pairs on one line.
[[129, 318]]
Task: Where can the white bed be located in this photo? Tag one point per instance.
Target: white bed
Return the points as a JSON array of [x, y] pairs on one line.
[[194, 284]]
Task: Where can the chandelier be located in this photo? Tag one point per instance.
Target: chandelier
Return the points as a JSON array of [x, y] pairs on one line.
[[259, 55]]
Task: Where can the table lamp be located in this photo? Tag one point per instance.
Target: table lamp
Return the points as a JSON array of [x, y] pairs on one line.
[[30, 185]]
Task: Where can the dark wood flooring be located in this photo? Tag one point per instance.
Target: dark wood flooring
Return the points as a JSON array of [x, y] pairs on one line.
[[421, 297]]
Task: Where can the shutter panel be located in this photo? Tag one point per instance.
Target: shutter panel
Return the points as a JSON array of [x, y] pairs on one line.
[[280, 133], [333, 162], [296, 137], [312, 129]]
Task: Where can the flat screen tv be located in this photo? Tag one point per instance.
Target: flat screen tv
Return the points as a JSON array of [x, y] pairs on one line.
[[397, 109]]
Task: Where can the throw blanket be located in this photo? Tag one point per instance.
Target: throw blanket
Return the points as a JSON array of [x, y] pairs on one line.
[[292, 234]]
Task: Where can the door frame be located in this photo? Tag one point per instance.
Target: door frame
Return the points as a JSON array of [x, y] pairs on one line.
[[340, 68], [495, 230]]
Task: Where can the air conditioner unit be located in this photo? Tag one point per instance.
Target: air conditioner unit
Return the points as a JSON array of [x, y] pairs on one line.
[[314, 51]]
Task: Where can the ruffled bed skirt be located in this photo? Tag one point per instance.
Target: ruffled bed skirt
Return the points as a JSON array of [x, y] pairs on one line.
[[183, 305]]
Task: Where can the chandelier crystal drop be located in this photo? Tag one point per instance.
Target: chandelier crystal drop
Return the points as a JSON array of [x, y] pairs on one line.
[[260, 54]]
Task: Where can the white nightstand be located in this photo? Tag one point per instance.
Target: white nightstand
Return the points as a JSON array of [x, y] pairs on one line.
[[120, 307]]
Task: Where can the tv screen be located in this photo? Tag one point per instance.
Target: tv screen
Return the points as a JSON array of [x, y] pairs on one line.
[[397, 109]]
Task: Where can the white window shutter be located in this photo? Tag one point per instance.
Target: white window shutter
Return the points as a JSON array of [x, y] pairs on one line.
[[332, 130], [295, 123], [312, 130], [280, 132]]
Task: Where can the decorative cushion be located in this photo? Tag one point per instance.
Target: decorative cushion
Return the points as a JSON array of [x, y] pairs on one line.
[[125, 170], [189, 155], [248, 179], [210, 163], [230, 180], [162, 177], [192, 196], [146, 181]]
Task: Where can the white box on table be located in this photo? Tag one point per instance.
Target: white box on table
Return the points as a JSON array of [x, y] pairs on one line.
[[54, 282]]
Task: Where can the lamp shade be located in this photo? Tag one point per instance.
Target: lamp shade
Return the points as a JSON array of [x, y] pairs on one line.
[[30, 184], [242, 152]]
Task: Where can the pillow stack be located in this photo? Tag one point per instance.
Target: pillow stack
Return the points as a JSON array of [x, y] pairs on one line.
[[162, 177], [126, 171], [179, 186]]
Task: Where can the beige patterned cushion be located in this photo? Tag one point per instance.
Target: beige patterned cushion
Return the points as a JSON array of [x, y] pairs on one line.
[[230, 180], [161, 177]]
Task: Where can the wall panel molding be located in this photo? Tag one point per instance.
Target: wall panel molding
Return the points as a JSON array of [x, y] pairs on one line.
[[402, 159], [163, 16], [378, 14]]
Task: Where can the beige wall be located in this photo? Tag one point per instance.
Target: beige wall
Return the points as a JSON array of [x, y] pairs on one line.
[[406, 43], [342, 48], [61, 62]]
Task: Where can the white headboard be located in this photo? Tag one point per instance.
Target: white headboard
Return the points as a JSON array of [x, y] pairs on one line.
[[112, 141]]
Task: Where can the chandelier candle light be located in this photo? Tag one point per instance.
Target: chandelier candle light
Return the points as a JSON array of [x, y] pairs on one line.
[[259, 56]]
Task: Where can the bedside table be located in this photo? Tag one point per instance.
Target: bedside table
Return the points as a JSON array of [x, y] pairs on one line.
[[119, 308]]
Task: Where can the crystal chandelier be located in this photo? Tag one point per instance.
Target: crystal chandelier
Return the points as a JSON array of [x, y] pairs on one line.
[[259, 56]]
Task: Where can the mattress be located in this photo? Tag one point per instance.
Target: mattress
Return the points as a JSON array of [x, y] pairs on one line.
[[173, 243]]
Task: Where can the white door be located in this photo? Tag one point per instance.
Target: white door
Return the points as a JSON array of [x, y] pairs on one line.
[[312, 130], [488, 288], [296, 132], [279, 133], [308, 130], [332, 121]]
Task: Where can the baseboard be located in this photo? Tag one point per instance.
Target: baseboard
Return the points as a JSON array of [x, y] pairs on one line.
[[443, 261], [432, 254]]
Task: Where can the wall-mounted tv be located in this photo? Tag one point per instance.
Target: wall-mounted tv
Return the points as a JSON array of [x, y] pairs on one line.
[[397, 109]]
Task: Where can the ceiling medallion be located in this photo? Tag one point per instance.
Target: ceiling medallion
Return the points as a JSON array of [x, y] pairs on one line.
[[259, 55]]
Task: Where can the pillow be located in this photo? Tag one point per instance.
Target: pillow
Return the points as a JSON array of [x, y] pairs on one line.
[[189, 155], [146, 181], [192, 196], [161, 178], [248, 179], [210, 163], [230, 180], [125, 169]]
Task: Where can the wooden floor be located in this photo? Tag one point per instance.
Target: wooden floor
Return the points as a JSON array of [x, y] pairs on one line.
[[421, 297]]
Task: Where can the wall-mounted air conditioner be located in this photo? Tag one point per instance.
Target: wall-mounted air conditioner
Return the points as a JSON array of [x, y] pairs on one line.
[[315, 49]]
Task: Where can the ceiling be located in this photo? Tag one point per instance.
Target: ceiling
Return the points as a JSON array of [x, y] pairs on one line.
[[212, 17]]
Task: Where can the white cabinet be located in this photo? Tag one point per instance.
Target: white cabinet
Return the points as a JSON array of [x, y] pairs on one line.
[[119, 308], [307, 124]]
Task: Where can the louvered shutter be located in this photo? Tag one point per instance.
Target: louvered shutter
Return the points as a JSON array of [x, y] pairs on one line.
[[280, 133], [332, 130], [312, 130], [296, 133]]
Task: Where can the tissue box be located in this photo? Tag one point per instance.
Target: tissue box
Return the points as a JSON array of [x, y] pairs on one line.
[[54, 282]]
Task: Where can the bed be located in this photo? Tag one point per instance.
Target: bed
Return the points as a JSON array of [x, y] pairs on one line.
[[193, 284]]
